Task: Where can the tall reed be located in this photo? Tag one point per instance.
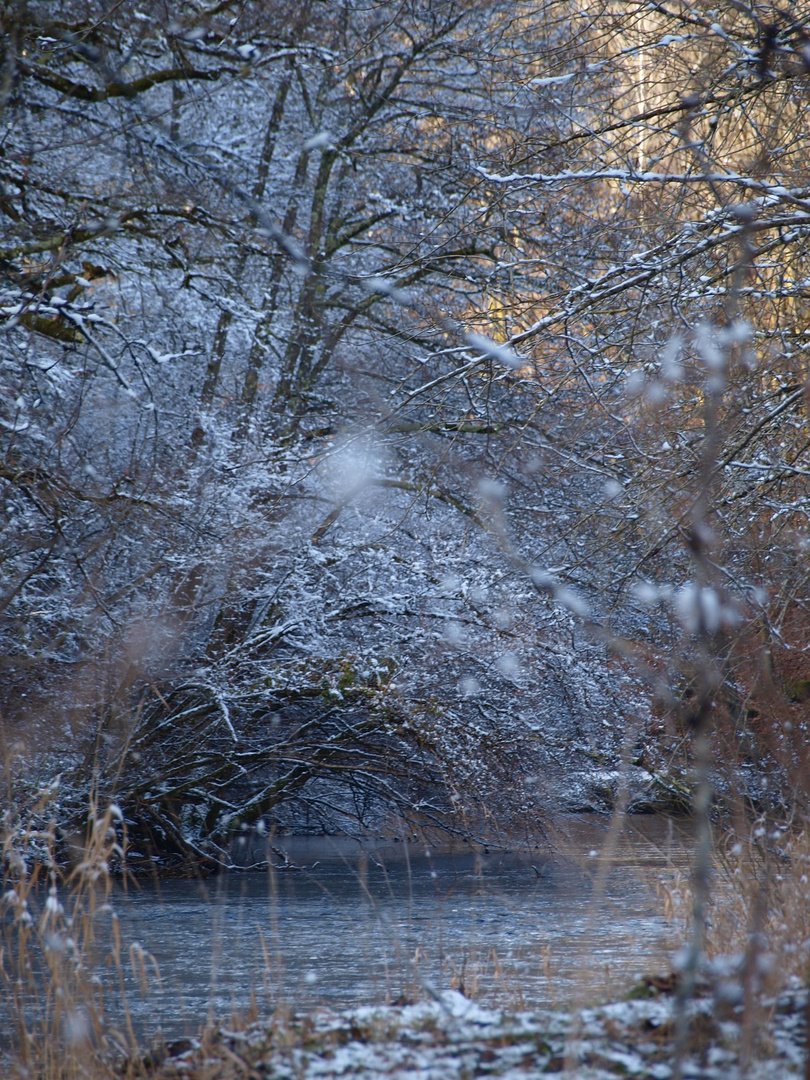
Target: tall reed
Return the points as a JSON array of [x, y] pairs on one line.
[[62, 959]]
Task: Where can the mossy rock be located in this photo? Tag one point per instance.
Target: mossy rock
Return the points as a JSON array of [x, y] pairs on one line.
[[798, 689]]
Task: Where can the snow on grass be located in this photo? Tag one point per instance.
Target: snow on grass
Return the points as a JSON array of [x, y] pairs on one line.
[[448, 1036]]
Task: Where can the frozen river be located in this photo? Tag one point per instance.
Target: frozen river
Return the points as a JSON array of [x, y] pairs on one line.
[[394, 921]]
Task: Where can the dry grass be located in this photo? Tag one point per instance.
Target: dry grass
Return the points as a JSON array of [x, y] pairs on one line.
[[765, 909], [758, 930], [59, 931], [760, 903]]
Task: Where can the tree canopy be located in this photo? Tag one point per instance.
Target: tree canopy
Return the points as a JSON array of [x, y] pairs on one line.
[[396, 399]]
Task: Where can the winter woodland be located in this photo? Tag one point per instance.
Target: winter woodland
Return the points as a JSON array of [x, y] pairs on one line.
[[403, 410]]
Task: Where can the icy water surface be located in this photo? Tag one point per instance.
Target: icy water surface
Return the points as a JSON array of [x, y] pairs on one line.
[[365, 925]]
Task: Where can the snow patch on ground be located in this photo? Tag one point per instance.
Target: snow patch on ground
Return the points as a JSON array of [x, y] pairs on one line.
[[448, 1036]]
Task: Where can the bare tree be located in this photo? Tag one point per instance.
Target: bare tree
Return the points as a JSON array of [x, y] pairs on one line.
[[281, 288]]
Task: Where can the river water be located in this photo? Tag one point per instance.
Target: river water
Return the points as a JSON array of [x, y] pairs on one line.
[[357, 924]]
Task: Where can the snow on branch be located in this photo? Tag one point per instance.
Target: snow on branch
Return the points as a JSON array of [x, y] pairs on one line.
[[633, 176]]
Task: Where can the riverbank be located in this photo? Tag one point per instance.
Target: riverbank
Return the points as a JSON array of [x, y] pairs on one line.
[[447, 1036], [317, 950]]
